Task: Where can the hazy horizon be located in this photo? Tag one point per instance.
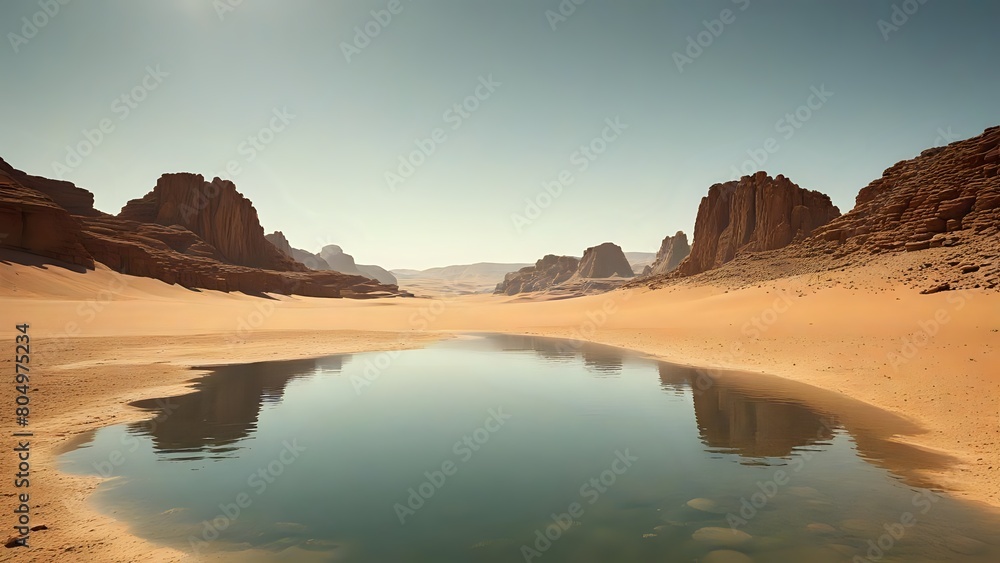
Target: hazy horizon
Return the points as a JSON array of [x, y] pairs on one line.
[[312, 121]]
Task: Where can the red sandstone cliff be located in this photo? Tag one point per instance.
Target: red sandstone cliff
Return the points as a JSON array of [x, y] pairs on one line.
[[753, 214]]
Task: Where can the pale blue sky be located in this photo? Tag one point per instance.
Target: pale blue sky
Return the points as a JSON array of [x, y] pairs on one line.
[[322, 178]]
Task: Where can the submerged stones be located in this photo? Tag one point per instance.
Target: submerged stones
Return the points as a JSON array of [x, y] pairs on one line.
[[705, 505], [722, 537]]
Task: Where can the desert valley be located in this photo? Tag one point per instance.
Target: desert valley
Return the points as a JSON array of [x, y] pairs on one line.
[[411, 282], [857, 312]]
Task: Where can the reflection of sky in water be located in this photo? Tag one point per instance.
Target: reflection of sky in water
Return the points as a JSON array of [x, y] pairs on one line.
[[572, 407]]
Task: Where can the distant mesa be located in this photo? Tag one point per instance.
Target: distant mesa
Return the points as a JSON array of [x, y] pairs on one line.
[[377, 273], [332, 257], [342, 262], [604, 261], [185, 231], [548, 272], [753, 214], [602, 268], [672, 251], [639, 260]]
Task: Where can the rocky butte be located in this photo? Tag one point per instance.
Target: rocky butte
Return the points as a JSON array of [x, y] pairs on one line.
[[753, 214], [672, 251], [602, 268]]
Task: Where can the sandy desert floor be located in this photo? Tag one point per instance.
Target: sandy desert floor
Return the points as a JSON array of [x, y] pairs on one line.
[[101, 340]]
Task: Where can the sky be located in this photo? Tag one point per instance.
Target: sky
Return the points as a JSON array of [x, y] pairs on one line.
[[422, 134]]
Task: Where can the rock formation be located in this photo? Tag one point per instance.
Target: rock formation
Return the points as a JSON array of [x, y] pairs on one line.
[[214, 211], [277, 238], [753, 214], [77, 201], [931, 223], [308, 259], [377, 273], [547, 272], [602, 268], [339, 260], [186, 231], [32, 222], [936, 199], [342, 262], [604, 261], [672, 251]]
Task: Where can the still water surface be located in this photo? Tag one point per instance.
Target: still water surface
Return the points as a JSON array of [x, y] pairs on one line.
[[502, 448]]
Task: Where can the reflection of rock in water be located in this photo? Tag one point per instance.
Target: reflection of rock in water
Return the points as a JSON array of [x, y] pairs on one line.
[[731, 420], [602, 360], [553, 350], [225, 405]]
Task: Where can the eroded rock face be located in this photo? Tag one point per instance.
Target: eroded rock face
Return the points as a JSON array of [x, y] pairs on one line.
[[277, 238], [345, 262], [604, 261], [152, 238], [32, 222], [672, 251], [76, 201], [377, 273], [214, 211], [339, 260], [936, 199], [308, 259], [547, 272], [753, 214]]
